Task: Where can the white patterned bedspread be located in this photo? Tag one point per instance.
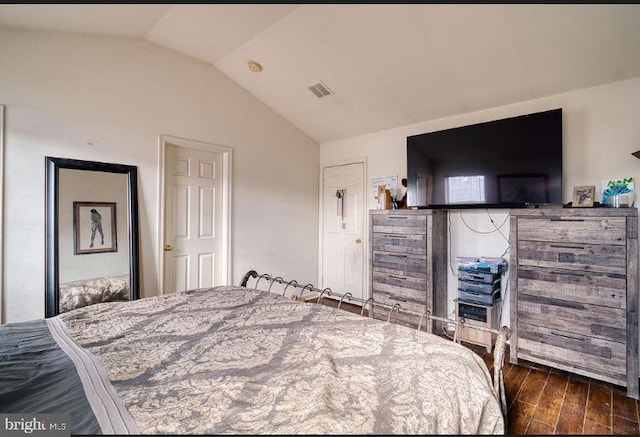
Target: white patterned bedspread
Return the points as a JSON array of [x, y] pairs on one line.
[[236, 360]]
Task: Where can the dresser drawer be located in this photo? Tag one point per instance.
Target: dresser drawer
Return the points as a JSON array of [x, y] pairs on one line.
[[569, 350], [408, 319], [606, 258], [569, 316], [399, 223], [584, 230], [400, 264], [600, 289], [414, 244], [403, 287]]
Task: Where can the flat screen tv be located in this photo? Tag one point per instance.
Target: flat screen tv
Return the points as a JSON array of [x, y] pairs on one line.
[[510, 163]]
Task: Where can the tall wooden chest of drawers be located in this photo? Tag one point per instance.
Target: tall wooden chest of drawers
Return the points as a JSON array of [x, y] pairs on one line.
[[408, 264], [574, 291]]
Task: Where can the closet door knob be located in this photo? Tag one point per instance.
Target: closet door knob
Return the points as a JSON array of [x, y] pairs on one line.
[[358, 240], [167, 248]]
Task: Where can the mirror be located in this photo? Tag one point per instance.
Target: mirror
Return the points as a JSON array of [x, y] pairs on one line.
[[91, 242]]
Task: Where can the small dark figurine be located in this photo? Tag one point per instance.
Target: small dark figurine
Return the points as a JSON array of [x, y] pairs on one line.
[[402, 203]]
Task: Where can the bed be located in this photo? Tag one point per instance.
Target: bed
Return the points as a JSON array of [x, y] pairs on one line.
[[76, 294], [242, 360]]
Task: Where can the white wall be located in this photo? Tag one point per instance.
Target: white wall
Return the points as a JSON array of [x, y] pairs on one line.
[[63, 91], [601, 129]]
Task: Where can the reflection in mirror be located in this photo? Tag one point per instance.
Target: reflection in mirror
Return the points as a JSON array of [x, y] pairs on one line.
[[91, 234], [92, 270]]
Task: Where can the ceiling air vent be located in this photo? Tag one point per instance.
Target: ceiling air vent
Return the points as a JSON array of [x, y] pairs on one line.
[[320, 90]]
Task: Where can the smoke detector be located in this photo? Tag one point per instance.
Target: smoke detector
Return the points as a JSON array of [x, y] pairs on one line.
[[320, 90], [254, 66]]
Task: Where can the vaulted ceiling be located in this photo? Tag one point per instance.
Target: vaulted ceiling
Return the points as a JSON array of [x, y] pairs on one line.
[[386, 65]]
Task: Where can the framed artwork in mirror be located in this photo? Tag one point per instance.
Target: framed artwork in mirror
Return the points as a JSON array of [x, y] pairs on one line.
[[94, 227]]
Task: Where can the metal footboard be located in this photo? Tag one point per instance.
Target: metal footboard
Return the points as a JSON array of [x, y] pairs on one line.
[[307, 292]]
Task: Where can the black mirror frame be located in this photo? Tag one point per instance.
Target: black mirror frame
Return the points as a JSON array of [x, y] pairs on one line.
[[52, 167]]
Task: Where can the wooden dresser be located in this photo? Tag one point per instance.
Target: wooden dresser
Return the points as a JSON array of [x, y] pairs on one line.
[[408, 263], [574, 291]]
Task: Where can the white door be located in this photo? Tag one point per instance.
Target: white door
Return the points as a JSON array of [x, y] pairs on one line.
[[342, 229], [192, 219]]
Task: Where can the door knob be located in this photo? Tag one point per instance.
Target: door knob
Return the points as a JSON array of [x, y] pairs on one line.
[[359, 240], [167, 248]]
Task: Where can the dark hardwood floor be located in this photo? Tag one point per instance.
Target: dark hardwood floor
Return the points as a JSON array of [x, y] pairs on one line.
[[543, 400]]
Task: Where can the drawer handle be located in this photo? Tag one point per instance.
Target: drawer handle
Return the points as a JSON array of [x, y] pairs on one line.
[[395, 236], [557, 334], [397, 298], [566, 246], [398, 217], [397, 277], [398, 255], [566, 220], [564, 272]]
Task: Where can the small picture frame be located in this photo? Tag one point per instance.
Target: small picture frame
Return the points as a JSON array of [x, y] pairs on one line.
[[94, 227], [583, 196]]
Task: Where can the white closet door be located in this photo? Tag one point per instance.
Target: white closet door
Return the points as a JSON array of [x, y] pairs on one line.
[[342, 229]]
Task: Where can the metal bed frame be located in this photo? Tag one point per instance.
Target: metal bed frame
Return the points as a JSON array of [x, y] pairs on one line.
[[297, 292]]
